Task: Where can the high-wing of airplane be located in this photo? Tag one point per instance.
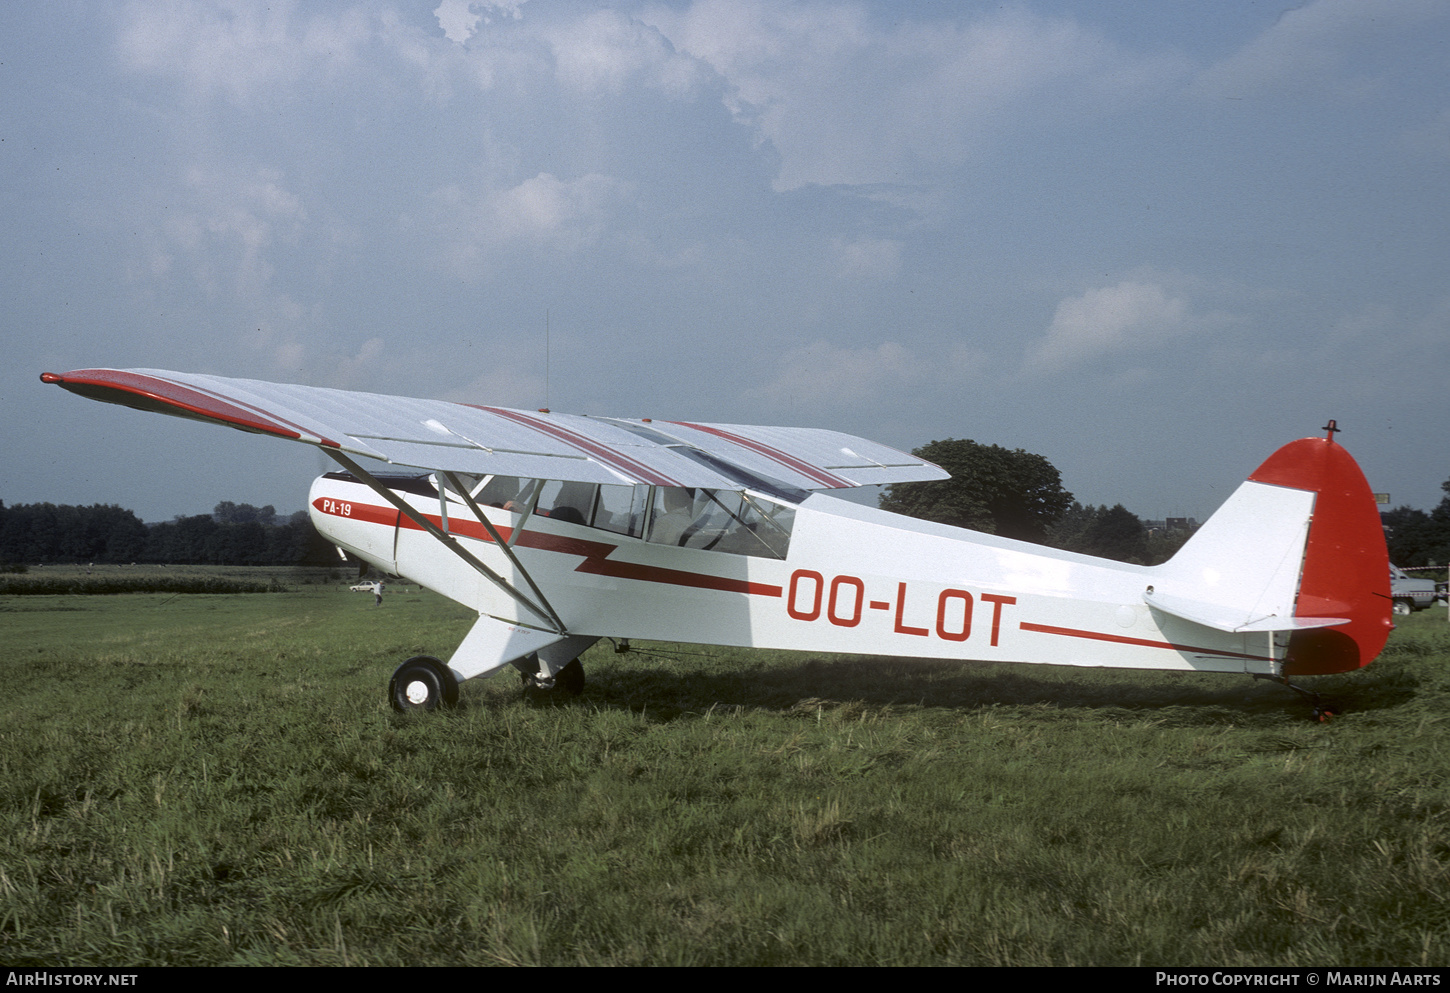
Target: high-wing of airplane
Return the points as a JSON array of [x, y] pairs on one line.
[[562, 529]]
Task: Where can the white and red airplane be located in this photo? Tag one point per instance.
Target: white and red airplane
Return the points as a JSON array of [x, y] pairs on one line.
[[561, 529]]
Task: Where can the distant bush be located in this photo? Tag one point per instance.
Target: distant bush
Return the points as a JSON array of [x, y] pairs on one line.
[[98, 585]]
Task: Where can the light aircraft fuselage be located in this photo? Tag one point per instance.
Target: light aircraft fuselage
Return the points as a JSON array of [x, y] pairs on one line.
[[560, 530]]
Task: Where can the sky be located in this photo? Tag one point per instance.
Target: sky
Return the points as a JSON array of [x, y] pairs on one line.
[[1149, 241]]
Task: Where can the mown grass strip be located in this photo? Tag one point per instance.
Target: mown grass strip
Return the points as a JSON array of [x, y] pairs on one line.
[[213, 780]]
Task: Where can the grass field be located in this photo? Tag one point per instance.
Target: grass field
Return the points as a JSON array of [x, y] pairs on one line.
[[203, 779]]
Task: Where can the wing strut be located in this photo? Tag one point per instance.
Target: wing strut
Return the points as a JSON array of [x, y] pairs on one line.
[[545, 612], [504, 546]]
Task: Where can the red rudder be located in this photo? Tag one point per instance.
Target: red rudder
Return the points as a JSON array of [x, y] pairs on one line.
[[1346, 566]]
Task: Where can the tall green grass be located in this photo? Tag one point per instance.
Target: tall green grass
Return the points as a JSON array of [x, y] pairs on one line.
[[211, 780]]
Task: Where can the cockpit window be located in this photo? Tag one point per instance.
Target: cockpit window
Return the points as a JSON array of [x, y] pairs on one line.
[[731, 521], [500, 491], [570, 502], [720, 520], [621, 509]]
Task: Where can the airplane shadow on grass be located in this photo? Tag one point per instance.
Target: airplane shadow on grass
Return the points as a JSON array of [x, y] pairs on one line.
[[668, 693]]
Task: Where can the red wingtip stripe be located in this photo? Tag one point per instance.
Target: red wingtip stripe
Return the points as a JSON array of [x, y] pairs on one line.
[[159, 395]]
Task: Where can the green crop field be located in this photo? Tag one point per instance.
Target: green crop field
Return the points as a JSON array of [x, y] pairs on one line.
[[217, 779]]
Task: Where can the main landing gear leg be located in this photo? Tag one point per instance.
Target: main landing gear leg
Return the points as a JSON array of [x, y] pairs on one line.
[[554, 671], [567, 682], [1322, 710]]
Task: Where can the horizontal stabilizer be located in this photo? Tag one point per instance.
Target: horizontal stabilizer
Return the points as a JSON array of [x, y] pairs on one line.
[[1223, 617], [1299, 548]]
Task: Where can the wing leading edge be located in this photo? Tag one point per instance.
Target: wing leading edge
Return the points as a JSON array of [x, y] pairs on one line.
[[457, 437]]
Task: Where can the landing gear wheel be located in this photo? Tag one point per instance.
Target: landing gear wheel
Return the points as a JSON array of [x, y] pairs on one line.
[[422, 683], [1404, 608], [567, 682]]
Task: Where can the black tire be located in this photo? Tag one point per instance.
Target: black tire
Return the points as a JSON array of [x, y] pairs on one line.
[[1404, 607], [568, 682], [570, 679], [422, 683]]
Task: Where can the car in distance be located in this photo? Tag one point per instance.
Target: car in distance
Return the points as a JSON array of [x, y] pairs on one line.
[[1410, 594]]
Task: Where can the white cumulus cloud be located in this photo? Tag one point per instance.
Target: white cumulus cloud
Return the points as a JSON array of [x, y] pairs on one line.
[[874, 259], [237, 49], [544, 212], [1309, 42], [459, 18], [825, 375], [1109, 319], [847, 99]]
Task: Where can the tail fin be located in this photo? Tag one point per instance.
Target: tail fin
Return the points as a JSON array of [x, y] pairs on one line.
[[1299, 548], [1346, 565]]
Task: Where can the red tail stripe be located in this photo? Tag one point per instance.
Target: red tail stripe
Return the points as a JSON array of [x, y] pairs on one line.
[[1142, 642]]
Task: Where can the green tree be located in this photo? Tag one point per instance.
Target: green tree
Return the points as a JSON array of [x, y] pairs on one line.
[[1117, 534], [1107, 532], [1410, 534], [1164, 544], [1070, 530], [228, 512], [1417, 538], [1012, 493]]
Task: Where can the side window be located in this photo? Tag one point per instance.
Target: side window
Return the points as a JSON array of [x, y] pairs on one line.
[[720, 520], [501, 491], [671, 515], [765, 528], [566, 501], [621, 509], [717, 514], [729, 521], [758, 527]]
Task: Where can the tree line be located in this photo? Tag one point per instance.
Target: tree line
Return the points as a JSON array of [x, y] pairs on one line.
[[1419, 538], [1016, 494], [232, 534], [1012, 493]]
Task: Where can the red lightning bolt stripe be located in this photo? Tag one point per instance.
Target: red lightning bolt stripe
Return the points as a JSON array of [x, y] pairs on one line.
[[595, 553]]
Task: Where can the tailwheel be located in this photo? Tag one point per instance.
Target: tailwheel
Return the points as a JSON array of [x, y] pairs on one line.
[[1323, 710], [422, 683], [567, 682]]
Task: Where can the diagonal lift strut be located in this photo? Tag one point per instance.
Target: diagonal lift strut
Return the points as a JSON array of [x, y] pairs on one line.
[[542, 609]]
